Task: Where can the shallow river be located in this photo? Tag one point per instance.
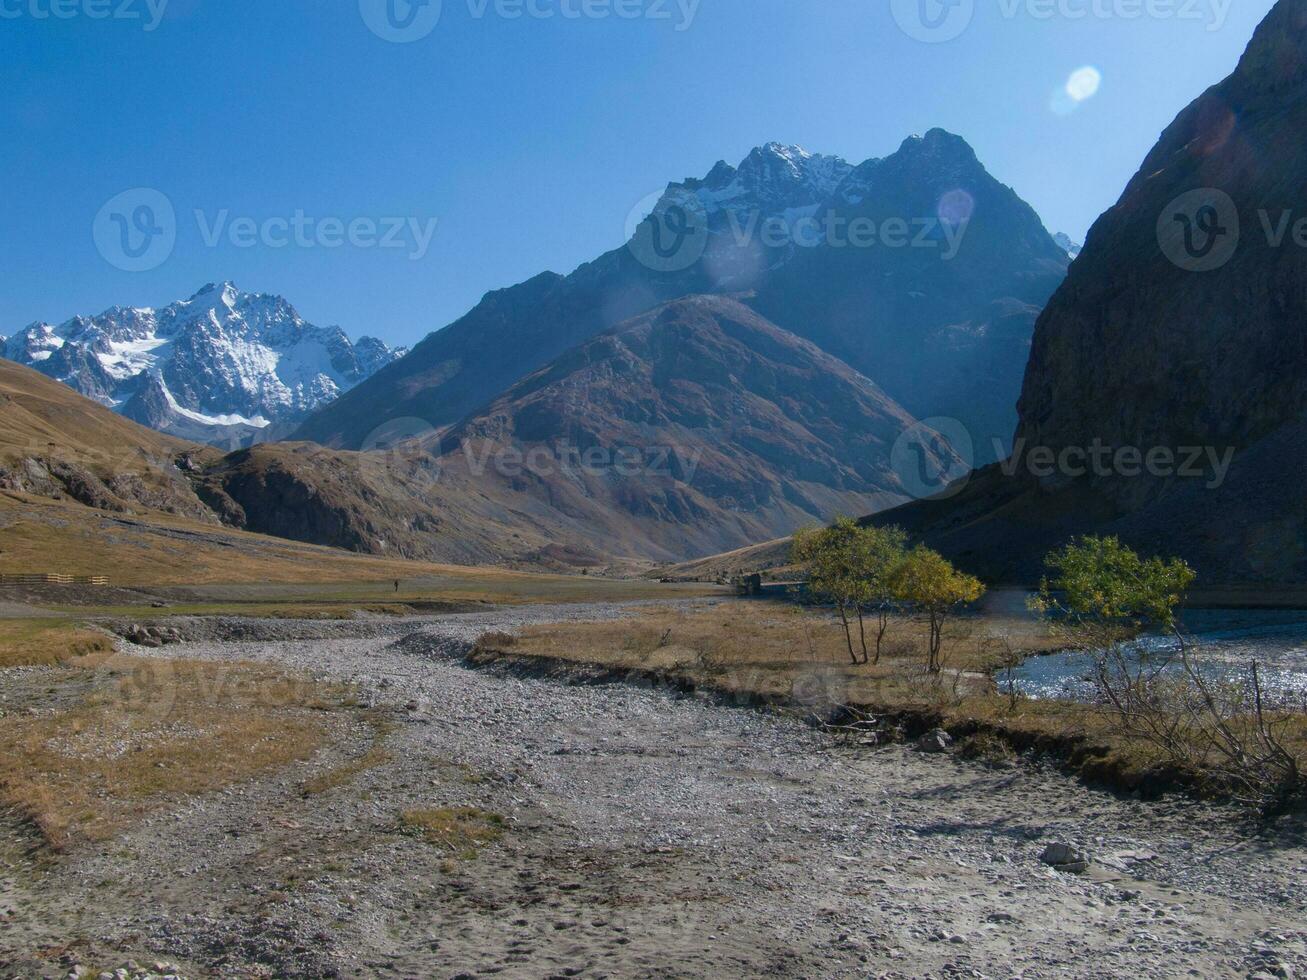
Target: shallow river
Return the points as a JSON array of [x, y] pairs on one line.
[[1230, 641]]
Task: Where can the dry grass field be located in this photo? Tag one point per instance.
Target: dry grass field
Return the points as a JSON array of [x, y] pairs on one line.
[[779, 650], [47, 641], [202, 568], [109, 738]]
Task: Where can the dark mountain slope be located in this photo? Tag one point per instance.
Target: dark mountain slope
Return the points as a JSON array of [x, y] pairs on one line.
[[1150, 346], [941, 316]]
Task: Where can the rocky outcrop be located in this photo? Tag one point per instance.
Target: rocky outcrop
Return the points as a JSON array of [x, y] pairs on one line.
[[55, 443]]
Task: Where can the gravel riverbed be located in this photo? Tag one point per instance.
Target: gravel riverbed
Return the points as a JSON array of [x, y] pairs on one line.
[[649, 835]]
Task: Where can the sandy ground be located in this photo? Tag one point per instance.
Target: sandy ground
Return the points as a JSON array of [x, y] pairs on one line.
[[648, 835]]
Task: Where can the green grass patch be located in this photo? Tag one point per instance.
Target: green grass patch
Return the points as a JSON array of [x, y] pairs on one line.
[[47, 642]]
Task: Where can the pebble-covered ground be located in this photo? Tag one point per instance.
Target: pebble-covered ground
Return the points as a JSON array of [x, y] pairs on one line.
[[647, 835]]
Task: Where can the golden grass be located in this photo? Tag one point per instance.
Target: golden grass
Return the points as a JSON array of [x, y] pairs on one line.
[[40, 414], [156, 550], [783, 651], [46, 642], [460, 830], [148, 732], [1092, 736]]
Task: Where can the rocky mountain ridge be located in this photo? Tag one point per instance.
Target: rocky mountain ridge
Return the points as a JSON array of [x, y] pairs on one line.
[[694, 427], [920, 259]]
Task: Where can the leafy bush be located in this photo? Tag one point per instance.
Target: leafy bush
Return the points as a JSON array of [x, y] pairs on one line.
[[929, 583], [852, 567]]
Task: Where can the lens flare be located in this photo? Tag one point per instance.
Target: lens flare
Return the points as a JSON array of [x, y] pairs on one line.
[[1083, 83]]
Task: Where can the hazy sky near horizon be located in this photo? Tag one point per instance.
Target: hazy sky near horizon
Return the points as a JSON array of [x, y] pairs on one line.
[[515, 136]]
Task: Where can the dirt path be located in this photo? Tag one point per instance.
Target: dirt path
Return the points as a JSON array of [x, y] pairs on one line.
[[652, 836]]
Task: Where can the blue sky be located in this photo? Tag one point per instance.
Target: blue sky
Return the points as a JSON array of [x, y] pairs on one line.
[[527, 139]]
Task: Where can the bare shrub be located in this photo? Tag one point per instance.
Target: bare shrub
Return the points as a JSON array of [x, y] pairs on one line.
[[988, 749], [1215, 724]]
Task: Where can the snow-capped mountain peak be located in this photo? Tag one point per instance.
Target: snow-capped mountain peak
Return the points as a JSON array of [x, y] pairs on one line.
[[777, 164], [1065, 243], [772, 179], [222, 366]]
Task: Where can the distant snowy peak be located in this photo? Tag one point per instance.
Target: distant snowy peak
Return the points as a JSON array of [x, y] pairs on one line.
[[772, 179], [779, 180], [1065, 243], [221, 366], [790, 176]]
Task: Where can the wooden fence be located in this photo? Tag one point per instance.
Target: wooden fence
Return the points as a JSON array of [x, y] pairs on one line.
[[54, 578]]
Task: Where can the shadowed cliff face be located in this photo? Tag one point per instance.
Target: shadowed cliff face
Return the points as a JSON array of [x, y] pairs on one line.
[[1179, 330], [1181, 323]]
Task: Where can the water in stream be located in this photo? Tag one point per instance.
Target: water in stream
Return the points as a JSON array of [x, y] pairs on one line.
[[1229, 641]]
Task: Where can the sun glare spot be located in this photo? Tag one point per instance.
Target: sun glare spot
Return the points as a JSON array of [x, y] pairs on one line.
[[1083, 83]]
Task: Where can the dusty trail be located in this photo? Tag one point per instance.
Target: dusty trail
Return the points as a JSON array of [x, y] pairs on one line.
[[656, 836]]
